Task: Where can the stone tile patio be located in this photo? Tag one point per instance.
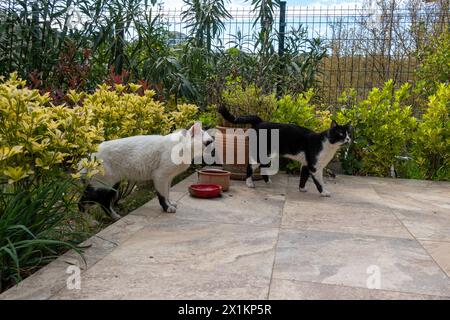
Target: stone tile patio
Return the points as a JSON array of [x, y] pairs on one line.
[[272, 242]]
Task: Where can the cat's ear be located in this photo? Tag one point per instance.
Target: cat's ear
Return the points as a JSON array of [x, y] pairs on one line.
[[333, 124], [196, 128]]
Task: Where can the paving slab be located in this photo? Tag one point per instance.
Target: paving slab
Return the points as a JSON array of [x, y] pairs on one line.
[[49, 280], [426, 224], [176, 258], [298, 290], [327, 215], [270, 242], [349, 260], [440, 252]]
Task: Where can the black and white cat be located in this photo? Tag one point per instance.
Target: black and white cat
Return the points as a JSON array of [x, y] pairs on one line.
[[313, 150], [141, 158]]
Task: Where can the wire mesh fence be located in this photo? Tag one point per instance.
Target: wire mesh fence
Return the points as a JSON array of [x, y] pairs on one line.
[[365, 46]]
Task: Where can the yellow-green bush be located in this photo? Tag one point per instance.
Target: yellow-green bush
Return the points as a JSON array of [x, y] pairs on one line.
[[183, 116], [249, 100], [41, 144], [300, 111], [124, 114], [383, 125], [210, 117], [434, 67], [431, 143], [39, 139]]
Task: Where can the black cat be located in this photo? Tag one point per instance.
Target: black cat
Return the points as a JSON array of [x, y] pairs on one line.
[[313, 150]]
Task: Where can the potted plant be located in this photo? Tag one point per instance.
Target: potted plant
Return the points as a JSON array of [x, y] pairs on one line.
[[241, 101]]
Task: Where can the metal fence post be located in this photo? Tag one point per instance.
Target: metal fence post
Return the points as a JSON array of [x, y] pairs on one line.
[[281, 34], [282, 28]]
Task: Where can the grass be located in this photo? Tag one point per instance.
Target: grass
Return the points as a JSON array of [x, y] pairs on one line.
[[37, 224]]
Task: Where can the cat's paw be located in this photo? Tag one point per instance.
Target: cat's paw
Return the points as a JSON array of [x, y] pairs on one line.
[[174, 204], [325, 193], [269, 181], [303, 189], [171, 209], [249, 183], [114, 215]]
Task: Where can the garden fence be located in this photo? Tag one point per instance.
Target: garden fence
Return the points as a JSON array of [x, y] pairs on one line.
[[365, 46]]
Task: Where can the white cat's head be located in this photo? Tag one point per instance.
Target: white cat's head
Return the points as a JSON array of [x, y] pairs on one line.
[[197, 132], [191, 144]]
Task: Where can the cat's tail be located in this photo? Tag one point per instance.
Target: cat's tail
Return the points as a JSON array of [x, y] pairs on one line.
[[253, 120]]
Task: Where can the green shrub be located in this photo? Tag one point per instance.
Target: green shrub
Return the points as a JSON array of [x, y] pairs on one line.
[[122, 112], [382, 127], [431, 148], [209, 117], [300, 111], [249, 101], [434, 65], [39, 140]]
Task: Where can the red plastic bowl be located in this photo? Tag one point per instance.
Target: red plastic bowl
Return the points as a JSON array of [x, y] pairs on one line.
[[205, 190]]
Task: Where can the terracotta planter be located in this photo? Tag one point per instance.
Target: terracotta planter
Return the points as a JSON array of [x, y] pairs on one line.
[[232, 143], [214, 176]]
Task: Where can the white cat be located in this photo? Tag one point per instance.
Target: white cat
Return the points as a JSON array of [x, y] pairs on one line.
[[142, 158]]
